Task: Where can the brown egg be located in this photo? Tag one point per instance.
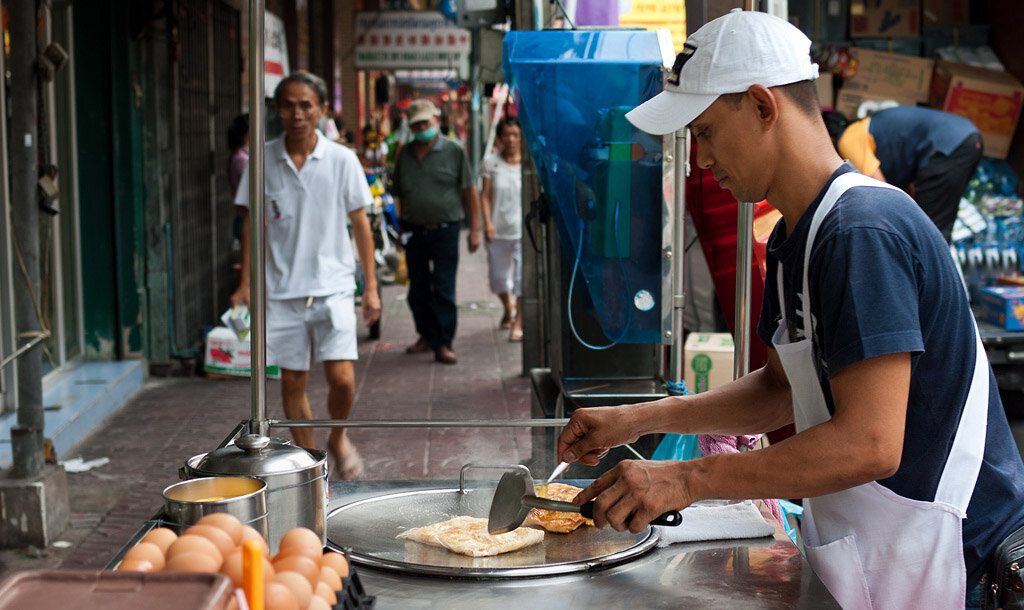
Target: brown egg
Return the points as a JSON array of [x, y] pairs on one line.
[[229, 523], [146, 551], [192, 562], [318, 603], [298, 585], [326, 593], [336, 561], [329, 576], [248, 532], [303, 541], [313, 553], [161, 536], [224, 542], [279, 597], [232, 568], [135, 565], [298, 563], [192, 543]]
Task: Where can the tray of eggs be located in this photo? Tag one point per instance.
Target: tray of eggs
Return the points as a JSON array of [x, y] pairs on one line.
[[301, 576]]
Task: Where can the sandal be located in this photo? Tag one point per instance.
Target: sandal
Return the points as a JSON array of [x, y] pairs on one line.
[[515, 335], [347, 468], [506, 320]]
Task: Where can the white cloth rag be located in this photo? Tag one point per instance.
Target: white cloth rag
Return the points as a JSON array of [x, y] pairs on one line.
[[716, 521]]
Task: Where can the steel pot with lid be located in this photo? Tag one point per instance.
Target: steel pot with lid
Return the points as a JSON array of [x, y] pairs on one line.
[[296, 480]]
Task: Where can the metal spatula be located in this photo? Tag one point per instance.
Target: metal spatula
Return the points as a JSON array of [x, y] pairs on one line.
[[515, 496]]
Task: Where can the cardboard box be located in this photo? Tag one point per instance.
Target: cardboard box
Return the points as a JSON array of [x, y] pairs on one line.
[[821, 20], [900, 46], [226, 355], [945, 12], [991, 99], [885, 18], [938, 37], [849, 102], [708, 359], [826, 92], [1003, 306], [903, 77]]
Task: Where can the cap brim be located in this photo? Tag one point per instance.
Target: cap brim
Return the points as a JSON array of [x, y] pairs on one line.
[[421, 116], [669, 111]]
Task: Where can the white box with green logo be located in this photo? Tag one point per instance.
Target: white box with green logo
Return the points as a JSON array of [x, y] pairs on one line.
[[226, 355], [708, 359]]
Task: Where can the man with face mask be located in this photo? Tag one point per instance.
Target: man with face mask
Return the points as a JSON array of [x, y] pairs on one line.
[[435, 190]]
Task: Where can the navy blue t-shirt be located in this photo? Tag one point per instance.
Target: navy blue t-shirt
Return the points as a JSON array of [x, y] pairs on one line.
[[882, 281], [906, 137]]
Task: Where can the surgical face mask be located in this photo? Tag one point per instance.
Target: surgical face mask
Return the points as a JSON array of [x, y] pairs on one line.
[[426, 135]]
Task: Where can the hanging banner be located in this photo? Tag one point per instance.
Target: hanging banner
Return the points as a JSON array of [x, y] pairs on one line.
[[275, 53], [409, 40]]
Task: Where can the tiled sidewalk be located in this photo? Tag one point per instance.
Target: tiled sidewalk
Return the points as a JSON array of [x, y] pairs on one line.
[[172, 419]]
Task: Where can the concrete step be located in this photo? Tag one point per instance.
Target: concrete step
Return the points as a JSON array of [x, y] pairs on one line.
[[76, 401]]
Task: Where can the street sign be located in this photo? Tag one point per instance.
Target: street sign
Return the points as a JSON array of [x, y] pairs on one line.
[[409, 40]]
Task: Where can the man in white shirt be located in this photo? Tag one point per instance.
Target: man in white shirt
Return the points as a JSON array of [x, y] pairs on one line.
[[314, 188]]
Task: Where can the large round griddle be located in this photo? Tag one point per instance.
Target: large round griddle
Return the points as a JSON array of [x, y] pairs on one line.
[[367, 530]]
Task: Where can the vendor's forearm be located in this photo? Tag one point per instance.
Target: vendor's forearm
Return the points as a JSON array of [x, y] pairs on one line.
[[818, 461], [862, 441]]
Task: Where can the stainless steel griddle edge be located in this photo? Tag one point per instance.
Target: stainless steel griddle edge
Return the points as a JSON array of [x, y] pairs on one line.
[[367, 529]]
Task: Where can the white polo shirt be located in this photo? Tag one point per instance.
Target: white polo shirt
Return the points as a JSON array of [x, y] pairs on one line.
[[309, 252]]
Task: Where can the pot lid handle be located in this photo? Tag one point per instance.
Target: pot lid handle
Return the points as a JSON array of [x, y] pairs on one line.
[[252, 443]]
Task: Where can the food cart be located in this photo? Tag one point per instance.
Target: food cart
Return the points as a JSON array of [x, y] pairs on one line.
[[588, 567]]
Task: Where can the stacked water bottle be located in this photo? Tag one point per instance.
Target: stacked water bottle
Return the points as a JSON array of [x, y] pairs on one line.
[[989, 234]]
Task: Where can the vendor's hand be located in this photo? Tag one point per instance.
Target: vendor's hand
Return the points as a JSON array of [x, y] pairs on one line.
[[240, 296], [591, 432], [490, 233], [473, 240], [634, 493], [371, 306]]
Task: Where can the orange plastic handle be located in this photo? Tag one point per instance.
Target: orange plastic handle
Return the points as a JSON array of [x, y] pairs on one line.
[[252, 574]]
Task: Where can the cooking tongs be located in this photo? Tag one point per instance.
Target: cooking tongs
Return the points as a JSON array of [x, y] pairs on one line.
[[515, 496]]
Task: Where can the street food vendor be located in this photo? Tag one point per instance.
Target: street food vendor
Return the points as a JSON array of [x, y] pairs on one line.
[[903, 454]]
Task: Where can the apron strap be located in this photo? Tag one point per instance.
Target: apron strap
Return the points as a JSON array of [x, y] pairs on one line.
[[968, 449]]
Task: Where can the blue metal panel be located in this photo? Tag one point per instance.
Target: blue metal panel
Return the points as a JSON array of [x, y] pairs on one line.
[[602, 177]]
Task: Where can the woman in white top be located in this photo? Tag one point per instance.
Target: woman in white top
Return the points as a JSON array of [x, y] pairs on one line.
[[502, 183]]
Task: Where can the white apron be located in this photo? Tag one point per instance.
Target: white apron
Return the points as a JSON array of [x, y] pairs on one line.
[[871, 547]]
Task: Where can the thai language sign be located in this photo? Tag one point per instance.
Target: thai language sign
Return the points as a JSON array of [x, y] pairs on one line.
[[409, 40], [275, 53]]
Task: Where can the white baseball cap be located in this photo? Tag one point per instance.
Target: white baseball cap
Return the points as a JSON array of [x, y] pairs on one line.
[[726, 55]]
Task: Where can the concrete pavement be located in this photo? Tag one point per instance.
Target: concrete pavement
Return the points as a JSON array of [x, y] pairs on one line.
[[172, 419]]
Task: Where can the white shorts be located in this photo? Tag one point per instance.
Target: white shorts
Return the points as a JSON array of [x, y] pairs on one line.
[[326, 329], [505, 261]]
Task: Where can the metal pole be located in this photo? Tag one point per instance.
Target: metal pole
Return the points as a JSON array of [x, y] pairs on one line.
[[257, 265], [27, 436], [744, 260], [681, 153], [476, 101], [557, 422]]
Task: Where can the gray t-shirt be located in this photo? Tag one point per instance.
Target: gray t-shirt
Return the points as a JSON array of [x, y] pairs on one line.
[[430, 189]]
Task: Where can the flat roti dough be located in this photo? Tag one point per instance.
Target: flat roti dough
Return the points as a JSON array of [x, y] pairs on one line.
[[468, 536], [557, 521]]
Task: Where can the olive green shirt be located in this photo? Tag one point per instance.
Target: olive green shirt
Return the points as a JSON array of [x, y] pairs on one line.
[[430, 191]]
